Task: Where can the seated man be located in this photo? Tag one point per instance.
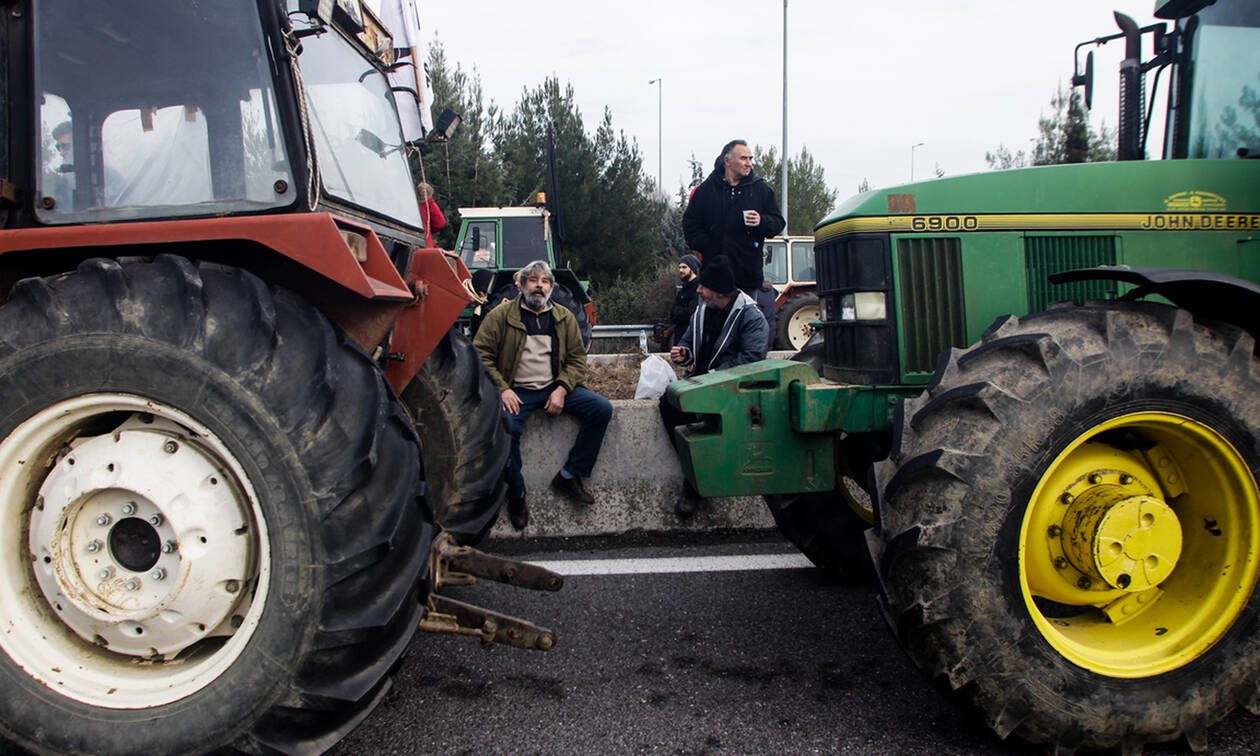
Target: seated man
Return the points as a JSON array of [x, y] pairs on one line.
[[726, 330], [534, 352]]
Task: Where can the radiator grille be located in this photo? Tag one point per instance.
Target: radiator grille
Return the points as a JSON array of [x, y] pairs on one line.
[[1052, 254], [931, 300]]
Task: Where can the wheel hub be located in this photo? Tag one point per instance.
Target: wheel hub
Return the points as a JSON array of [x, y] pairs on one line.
[[140, 542], [1130, 541]]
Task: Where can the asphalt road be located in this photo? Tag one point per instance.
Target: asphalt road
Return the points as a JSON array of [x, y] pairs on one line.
[[733, 662]]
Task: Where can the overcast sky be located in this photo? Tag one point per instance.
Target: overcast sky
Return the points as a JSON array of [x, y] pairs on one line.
[[866, 80]]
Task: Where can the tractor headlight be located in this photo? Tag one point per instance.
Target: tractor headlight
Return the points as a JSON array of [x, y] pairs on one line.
[[863, 305]]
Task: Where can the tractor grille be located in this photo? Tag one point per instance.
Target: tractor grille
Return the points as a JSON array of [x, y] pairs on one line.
[[1045, 255], [930, 294], [856, 351]]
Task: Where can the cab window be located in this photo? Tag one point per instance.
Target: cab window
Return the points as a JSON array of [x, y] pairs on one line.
[[803, 261], [775, 264], [478, 247]]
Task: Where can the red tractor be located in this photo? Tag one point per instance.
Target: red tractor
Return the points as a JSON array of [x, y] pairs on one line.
[[223, 348], [789, 265]]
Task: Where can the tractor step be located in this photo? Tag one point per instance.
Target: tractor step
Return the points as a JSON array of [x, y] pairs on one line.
[[452, 564]]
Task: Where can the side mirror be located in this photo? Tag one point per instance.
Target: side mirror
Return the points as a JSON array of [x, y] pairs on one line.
[[1086, 80], [371, 141]]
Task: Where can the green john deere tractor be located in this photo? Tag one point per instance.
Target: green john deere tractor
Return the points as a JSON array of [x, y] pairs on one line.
[[1035, 406]]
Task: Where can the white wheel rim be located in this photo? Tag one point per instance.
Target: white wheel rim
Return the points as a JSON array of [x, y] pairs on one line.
[[798, 329], [135, 561]]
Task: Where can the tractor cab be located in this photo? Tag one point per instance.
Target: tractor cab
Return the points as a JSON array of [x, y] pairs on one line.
[[1211, 53], [268, 107], [495, 242]]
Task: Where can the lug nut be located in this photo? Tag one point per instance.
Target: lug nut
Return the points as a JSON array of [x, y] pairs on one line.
[[1066, 498], [168, 547], [104, 520], [1060, 563], [1054, 531], [170, 447], [1084, 583], [155, 520], [1126, 480], [94, 546], [107, 573], [158, 574], [1095, 479], [232, 586], [132, 585], [129, 508]]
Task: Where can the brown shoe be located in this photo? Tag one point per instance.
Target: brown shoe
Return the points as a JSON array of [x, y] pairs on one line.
[[518, 512], [572, 488]]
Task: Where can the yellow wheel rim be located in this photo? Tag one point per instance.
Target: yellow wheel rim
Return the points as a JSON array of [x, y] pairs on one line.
[[1140, 545]]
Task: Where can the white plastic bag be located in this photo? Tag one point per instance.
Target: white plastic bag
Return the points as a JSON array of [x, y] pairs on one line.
[[655, 374]]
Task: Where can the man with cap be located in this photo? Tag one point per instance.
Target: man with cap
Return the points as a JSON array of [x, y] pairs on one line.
[[686, 299], [727, 329]]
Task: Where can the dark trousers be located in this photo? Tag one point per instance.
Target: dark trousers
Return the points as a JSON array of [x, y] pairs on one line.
[[593, 413]]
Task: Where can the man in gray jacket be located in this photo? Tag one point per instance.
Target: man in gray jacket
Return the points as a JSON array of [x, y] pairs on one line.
[[726, 330]]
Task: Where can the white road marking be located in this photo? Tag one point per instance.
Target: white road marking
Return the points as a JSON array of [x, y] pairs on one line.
[[665, 565]]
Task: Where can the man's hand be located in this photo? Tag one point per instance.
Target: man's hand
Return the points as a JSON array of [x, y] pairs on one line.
[[752, 218], [511, 402], [678, 354], [555, 402]]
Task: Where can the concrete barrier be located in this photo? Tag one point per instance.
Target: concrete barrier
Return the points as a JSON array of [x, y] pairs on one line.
[[636, 481]]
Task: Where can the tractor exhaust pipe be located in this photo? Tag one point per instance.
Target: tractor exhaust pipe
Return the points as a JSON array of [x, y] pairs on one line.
[[1130, 138]]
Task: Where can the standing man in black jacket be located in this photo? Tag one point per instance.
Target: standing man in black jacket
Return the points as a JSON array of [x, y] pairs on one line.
[[731, 214], [685, 299]]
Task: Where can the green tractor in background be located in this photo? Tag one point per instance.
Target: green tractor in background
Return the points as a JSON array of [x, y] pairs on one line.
[[1035, 406], [495, 242]]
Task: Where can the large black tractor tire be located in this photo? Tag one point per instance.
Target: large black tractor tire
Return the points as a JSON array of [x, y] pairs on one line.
[[213, 533], [794, 319], [1069, 527], [559, 295], [563, 297], [830, 527], [456, 407]]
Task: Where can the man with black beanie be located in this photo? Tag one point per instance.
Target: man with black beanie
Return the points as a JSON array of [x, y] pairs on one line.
[[726, 330], [731, 213]]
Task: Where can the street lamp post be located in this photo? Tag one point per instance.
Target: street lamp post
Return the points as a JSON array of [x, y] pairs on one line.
[[920, 144], [784, 170], [660, 187]]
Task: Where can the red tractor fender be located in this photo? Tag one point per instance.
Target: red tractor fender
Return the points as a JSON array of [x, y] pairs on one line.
[[792, 290], [370, 301]]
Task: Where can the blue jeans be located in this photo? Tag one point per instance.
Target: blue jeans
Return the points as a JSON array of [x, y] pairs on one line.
[[593, 413]]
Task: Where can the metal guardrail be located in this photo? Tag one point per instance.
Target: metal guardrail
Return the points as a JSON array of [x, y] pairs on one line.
[[630, 331]]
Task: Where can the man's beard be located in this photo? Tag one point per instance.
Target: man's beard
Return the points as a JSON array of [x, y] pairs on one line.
[[537, 299]]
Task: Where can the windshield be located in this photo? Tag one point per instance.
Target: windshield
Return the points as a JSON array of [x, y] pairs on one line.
[[524, 241], [803, 261], [1225, 108], [362, 158], [139, 118]]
